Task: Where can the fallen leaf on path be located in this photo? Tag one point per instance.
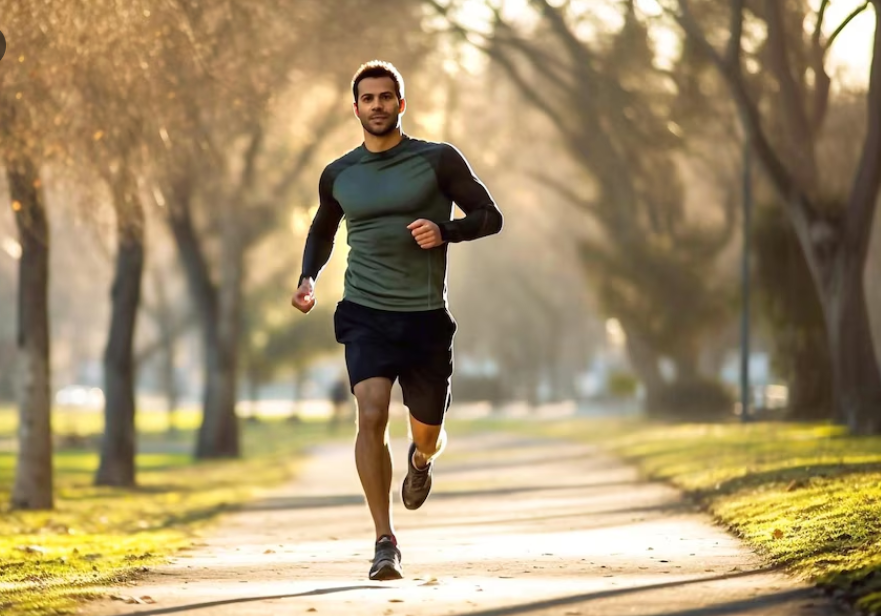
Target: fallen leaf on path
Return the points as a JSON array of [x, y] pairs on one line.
[[777, 534], [269, 552], [311, 609], [148, 599], [430, 582], [395, 600]]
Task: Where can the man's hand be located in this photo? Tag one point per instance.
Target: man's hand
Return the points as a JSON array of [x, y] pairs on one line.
[[304, 298], [426, 233]]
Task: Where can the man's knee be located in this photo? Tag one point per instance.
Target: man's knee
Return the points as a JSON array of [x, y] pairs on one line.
[[373, 404], [372, 418]]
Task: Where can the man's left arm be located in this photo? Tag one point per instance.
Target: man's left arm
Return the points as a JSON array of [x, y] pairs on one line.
[[461, 185]]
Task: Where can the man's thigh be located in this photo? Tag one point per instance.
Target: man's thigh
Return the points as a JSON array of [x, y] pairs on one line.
[[369, 350], [425, 385]]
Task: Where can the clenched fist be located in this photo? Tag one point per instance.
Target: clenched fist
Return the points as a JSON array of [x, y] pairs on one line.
[[304, 298], [426, 233]]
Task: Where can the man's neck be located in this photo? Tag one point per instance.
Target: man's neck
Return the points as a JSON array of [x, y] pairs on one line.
[[377, 143]]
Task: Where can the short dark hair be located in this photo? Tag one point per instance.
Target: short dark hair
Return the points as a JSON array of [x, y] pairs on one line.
[[378, 68]]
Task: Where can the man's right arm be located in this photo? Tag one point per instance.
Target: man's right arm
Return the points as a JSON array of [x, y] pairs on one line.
[[320, 240]]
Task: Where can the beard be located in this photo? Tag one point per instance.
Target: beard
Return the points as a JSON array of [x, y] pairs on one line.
[[391, 123]]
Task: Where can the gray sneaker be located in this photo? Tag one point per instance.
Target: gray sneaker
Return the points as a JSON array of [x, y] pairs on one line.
[[386, 561], [417, 483]]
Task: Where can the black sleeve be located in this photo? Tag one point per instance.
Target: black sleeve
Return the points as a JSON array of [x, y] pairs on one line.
[[320, 240], [458, 182]]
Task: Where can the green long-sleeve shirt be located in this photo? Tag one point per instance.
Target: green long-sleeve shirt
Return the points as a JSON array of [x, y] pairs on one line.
[[379, 194]]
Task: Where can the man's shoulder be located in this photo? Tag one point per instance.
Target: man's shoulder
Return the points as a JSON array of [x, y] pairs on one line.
[[428, 147], [348, 159]]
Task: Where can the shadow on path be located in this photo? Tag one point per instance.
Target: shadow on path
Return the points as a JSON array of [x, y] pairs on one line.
[[733, 607], [340, 500], [210, 604]]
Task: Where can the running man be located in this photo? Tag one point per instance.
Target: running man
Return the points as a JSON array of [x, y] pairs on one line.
[[396, 194]]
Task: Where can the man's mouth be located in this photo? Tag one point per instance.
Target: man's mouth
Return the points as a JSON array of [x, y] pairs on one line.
[[379, 117]]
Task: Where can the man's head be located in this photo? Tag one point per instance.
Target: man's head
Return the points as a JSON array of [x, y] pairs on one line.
[[378, 89]]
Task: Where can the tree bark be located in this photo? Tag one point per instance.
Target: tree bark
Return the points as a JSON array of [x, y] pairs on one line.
[[33, 474], [219, 432], [117, 467], [856, 378]]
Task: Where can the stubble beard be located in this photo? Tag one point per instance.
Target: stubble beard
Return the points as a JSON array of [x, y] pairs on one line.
[[381, 132]]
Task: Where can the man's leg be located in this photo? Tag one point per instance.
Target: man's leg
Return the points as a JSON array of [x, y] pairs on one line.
[[429, 441], [372, 451]]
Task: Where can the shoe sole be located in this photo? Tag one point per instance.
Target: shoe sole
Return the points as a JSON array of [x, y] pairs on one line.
[[387, 572]]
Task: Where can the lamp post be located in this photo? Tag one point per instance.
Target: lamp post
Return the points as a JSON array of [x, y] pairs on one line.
[[745, 284]]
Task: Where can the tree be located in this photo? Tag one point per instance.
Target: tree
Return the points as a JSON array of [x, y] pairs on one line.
[[32, 88], [833, 235], [112, 93], [223, 164], [652, 261]]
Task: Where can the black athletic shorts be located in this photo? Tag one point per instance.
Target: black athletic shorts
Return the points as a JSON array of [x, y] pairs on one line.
[[415, 347]]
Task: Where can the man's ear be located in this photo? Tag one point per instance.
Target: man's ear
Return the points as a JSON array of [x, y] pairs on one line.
[[357, 114], [403, 106]]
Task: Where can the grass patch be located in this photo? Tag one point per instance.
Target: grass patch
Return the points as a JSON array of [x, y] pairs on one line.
[[73, 421], [807, 496], [98, 536]]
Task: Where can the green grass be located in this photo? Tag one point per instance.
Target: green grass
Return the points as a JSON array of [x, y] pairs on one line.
[[68, 420], [806, 496], [97, 536]]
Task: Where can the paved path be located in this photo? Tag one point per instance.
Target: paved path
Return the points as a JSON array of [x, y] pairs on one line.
[[515, 527]]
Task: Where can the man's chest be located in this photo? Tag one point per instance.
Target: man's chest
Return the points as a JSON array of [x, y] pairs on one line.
[[387, 188]]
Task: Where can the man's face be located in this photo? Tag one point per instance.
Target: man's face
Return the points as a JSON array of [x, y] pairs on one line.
[[378, 106]]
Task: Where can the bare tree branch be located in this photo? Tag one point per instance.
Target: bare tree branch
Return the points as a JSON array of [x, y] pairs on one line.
[[566, 192], [822, 82], [181, 326], [732, 54], [751, 120], [818, 27], [790, 90], [326, 125], [866, 185], [249, 171], [845, 23]]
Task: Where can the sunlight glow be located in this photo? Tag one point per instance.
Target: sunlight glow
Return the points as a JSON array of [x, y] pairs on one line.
[[11, 247], [849, 57]]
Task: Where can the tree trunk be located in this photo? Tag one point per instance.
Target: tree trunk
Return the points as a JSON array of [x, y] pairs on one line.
[[167, 348], [202, 288], [33, 474], [219, 432], [645, 363], [686, 368], [857, 380], [117, 467]]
